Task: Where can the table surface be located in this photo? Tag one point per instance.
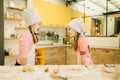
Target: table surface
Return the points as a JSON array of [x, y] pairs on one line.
[[71, 72]]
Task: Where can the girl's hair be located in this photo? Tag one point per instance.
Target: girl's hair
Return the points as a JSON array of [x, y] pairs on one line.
[[76, 41], [35, 37]]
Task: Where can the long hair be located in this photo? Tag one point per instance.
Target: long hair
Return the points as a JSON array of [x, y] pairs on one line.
[[76, 41], [34, 36]]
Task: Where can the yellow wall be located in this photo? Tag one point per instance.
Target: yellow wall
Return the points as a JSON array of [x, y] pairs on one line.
[[88, 18], [88, 23], [42, 8], [53, 14], [57, 15]]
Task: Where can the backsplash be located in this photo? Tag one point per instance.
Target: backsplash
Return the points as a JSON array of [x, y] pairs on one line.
[[50, 35]]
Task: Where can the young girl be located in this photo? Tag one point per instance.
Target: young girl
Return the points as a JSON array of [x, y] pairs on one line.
[[28, 38], [76, 29]]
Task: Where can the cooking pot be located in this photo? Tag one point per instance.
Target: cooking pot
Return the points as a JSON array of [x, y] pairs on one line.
[[6, 53]]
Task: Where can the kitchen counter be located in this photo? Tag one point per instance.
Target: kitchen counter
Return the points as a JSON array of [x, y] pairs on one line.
[[105, 55], [51, 45], [105, 47], [70, 72], [65, 54], [69, 45]]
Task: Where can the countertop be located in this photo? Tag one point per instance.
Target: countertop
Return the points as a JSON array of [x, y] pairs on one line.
[[51, 45], [69, 45], [68, 72], [105, 47]]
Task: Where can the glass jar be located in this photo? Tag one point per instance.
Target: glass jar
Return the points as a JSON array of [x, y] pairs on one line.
[[11, 3]]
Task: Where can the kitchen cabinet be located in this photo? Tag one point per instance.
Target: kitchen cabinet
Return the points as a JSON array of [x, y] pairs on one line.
[[42, 9], [87, 19], [71, 56], [58, 15], [76, 14], [68, 17], [55, 55], [94, 55], [40, 56], [59, 55], [117, 57], [105, 56], [53, 19], [66, 55], [53, 14]]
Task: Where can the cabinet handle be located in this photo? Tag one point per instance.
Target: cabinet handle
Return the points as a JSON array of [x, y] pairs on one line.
[[70, 47], [107, 51]]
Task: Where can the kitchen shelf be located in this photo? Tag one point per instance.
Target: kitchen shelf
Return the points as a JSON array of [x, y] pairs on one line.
[[11, 56], [13, 19], [14, 38], [20, 28], [16, 8], [40, 60], [39, 56]]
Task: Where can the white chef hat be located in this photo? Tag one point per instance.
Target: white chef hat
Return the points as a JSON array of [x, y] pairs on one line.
[[31, 16], [77, 24]]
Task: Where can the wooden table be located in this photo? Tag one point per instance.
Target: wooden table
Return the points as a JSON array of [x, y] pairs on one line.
[[71, 72]]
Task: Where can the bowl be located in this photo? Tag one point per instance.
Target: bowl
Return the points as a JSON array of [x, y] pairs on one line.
[[109, 68]]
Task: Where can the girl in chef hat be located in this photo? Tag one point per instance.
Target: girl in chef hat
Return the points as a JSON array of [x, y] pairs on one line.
[[28, 38], [76, 29]]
